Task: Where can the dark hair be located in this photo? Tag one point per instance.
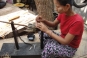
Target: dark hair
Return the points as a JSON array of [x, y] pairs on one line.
[[64, 2]]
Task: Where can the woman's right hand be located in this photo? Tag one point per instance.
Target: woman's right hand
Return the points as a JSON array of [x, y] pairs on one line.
[[39, 19]]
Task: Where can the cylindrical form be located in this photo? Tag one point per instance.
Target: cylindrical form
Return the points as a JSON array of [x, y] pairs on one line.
[[42, 46], [15, 35]]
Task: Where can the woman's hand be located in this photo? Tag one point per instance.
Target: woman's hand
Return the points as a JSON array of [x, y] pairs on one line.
[[39, 19], [42, 27]]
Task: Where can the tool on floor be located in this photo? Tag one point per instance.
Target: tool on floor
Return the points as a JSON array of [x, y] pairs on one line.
[[15, 35]]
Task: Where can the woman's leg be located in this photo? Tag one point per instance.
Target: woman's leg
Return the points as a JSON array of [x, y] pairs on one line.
[[46, 37], [54, 49]]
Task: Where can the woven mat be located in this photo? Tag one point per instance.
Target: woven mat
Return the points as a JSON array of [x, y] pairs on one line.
[[8, 12]]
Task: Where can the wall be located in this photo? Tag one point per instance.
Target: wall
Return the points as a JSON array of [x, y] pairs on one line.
[[81, 11]]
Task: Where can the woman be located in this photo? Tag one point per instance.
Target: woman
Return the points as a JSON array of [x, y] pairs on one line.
[[71, 26]]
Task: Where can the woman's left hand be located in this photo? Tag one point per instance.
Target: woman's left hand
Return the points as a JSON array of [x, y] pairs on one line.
[[42, 27]]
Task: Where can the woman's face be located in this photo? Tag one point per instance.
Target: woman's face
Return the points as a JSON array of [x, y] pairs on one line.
[[60, 8]]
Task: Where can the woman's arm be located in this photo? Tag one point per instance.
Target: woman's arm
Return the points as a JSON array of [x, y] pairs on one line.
[[51, 24], [68, 38], [48, 23]]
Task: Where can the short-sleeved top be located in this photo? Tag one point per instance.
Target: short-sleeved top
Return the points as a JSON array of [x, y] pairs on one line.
[[73, 25]]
